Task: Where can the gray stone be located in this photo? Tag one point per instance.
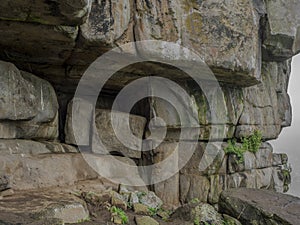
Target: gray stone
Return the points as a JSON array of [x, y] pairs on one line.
[[47, 107], [66, 12], [141, 209], [264, 178], [282, 39], [225, 34], [38, 206], [277, 159], [194, 25], [117, 169], [207, 159], [99, 31], [234, 165], [252, 206], [151, 200], [131, 143], [264, 158], [193, 187], [197, 213], [168, 192], [166, 151], [27, 147], [231, 220], [30, 107], [92, 126], [82, 122], [242, 179], [214, 119], [145, 220], [218, 183], [18, 99], [264, 107], [29, 130], [118, 200], [29, 172], [21, 48], [6, 193]]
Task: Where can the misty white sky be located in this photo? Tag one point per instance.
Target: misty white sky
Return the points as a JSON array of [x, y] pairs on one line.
[[289, 137]]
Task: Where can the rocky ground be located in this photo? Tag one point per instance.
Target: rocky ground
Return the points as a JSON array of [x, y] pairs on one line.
[[91, 203]]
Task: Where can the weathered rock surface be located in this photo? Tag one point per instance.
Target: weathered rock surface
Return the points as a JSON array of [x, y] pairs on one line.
[[145, 220], [266, 106], [246, 44], [282, 35], [197, 213], [107, 133], [74, 34], [209, 171], [84, 111], [51, 13], [28, 172], [37, 207], [29, 107], [252, 206], [93, 126], [27, 147]]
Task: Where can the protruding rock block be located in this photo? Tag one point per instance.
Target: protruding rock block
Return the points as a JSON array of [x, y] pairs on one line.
[[266, 106], [198, 25], [282, 34], [65, 12], [24, 43], [29, 107]]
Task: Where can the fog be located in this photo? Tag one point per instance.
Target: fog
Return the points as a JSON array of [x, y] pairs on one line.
[[288, 139]]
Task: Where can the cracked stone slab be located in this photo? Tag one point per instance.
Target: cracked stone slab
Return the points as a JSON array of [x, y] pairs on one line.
[[252, 206]]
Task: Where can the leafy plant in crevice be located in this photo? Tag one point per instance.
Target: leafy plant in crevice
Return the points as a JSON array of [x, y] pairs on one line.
[[225, 222], [152, 211], [120, 213], [250, 143], [196, 221]]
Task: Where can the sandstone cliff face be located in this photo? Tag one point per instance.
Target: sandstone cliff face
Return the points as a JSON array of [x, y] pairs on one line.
[[47, 45]]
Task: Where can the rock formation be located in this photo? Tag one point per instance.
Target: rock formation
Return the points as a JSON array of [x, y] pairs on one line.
[[46, 46]]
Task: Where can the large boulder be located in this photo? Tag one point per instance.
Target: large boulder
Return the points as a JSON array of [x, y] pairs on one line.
[[29, 105], [253, 206], [42, 208], [282, 33], [47, 170]]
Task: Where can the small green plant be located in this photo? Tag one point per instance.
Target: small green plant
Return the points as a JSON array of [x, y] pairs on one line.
[[84, 220], [195, 200], [225, 222], [253, 142], [197, 221], [120, 213], [152, 211], [250, 143]]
